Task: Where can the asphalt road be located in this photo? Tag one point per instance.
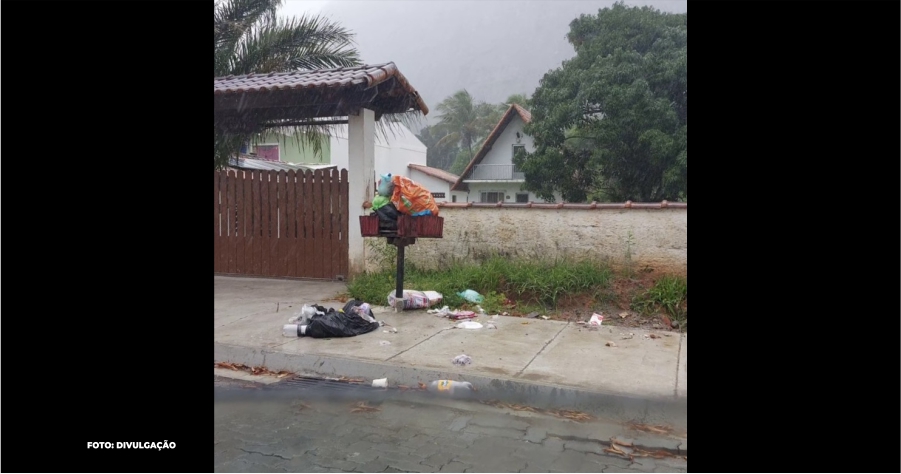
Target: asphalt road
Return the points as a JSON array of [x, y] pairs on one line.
[[305, 430]]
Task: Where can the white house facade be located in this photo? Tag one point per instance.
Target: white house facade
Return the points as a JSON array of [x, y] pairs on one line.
[[491, 176]]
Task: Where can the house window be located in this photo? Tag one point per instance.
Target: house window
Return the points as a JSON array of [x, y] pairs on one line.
[[518, 150], [522, 197], [453, 198], [267, 152], [492, 197]]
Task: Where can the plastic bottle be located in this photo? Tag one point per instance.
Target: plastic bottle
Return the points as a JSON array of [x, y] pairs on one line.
[[450, 387], [290, 330]]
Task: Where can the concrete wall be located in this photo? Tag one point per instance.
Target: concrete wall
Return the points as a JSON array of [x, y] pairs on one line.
[[659, 237]]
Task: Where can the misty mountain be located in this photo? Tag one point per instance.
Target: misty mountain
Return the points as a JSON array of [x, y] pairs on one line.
[[492, 48]]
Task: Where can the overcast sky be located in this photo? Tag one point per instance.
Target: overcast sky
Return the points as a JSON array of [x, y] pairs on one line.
[[492, 48]]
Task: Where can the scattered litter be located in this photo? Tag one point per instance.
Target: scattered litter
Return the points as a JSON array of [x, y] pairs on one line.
[[502, 314], [290, 330], [390, 331], [624, 314], [654, 336], [495, 316], [491, 326], [261, 370], [596, 319], [450, 387], [472, 296], [384, 343], [380, 383], [532, 315], [462, 359], [526, 322], [627, 336], [545, 318], [413, 299], [443, 310], [610, 344], [461, 315], [469, 325], [481, 311]]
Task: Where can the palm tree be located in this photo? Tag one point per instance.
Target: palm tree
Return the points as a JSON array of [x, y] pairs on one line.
[[519, 99], [465, 121], [251, 38]]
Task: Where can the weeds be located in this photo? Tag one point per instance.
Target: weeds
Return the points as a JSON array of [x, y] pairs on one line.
[[498, 279], [669, 294]]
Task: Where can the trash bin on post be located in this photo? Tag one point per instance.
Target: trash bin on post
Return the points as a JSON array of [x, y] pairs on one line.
[[409, 228]]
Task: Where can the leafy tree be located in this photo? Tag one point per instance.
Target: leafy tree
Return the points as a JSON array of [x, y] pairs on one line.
[[520, 99], [251, 38], [612, 121]]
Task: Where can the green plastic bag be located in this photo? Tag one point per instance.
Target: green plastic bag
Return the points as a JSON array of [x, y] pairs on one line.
[[380, 201]]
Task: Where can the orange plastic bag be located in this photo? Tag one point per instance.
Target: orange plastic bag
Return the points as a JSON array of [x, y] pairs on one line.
[[412, 198]]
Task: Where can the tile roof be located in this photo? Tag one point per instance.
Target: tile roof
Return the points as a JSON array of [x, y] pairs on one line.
[[514, 109], [339, 78], [253, 164], [435, 172]]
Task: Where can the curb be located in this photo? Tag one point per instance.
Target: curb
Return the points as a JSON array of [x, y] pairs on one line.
[[650, 410]]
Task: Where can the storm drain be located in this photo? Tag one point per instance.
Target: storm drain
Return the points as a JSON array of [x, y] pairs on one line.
[[317, 384]]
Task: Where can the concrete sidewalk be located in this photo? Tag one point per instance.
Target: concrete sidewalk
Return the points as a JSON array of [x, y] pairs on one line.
[[537, 360]]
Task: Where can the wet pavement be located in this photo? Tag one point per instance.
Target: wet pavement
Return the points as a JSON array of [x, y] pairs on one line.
[[300, 428]]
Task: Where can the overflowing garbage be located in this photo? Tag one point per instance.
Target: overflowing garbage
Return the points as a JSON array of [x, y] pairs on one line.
[[400, 195], [316, 321]]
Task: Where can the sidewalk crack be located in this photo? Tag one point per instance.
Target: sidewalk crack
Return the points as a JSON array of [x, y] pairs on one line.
[[414, 345], [678, 363], [542, 350]]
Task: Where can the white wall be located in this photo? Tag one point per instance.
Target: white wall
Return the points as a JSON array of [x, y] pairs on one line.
[[431, 183], [502, 151], [393, 151]]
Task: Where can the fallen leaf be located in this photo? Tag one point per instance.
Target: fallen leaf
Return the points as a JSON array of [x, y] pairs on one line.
[[667, 321], [610, 344], [624, 314], [621, 443], [654, 336], [362, 407], [283, 375]]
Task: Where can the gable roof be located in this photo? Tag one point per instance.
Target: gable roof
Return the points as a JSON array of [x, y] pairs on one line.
[[514, 110], [435, 173]]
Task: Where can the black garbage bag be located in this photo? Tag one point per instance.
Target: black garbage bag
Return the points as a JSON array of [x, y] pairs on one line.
[[349, 307], [338, 324], [387, 217]]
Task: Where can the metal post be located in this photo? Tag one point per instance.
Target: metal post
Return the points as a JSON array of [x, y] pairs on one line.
[[400, 270]]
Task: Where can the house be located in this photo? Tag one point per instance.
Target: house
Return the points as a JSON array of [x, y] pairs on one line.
[[256, 163], [394, 148], [491, 176], [437, 181]]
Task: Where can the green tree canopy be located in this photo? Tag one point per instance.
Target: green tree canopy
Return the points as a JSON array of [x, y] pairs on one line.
[[611, 123], [251, 38]]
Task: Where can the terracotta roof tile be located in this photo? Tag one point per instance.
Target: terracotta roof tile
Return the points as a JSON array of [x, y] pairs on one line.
[[435, 172]]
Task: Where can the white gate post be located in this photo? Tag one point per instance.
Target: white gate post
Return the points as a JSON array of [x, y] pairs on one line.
[[360, 182]]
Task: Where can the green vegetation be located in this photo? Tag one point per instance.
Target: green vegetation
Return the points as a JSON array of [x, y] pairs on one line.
[[669, 294], [611, 123], [525, 283]]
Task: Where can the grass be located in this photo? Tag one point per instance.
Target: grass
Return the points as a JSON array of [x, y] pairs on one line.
[[527, 283], [669, 294]]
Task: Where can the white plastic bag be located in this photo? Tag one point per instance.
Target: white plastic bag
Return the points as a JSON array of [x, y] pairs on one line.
[[596, 320], [413, 299]]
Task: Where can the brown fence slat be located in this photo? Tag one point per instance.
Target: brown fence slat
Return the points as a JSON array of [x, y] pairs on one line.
[[334, 194], [216, 210], [343, 223], [230, 209], [223, 222], [291, 227], [239, 220], [306, 247], [299, 198], [264, 223], [248, 224], [281, 269], [255, 236], [317, 225], [273, 223]]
